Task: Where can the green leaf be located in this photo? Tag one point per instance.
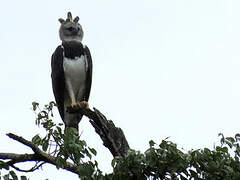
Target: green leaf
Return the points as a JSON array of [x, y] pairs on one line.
[[3, 165], [6, 177], [23, 178], [193, 173], [151, 143], [45, 145], [60, 162], [113, 163], [88, 154], [232, 140], [222, 149], [93, 151], [85, 170], [13, 174], [183, 178], [36, 140], [229, 144], [35, 105], [237, 137], [207, 151]]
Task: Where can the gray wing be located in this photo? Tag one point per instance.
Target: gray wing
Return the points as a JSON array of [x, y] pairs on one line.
[[89, 73], [58, 79]]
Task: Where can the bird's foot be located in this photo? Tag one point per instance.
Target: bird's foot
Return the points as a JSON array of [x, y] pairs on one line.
[[74, 103], [84, 104], [74, 108]]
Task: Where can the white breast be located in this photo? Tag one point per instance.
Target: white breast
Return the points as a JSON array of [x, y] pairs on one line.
[[75, 76]]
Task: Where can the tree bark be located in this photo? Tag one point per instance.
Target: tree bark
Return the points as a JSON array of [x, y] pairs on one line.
[[113, 137]]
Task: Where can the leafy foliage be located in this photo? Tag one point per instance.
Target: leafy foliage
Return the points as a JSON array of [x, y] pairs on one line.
[[12, 176], [162, 161], [165, 161], [67, 145]]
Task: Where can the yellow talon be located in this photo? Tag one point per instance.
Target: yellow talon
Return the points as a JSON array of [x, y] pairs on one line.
[[84, 104], [74, 103]]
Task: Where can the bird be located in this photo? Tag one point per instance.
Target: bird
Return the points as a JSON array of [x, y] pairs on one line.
[[71, 71]]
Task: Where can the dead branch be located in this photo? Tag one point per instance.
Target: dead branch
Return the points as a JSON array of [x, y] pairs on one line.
[[113, 137]]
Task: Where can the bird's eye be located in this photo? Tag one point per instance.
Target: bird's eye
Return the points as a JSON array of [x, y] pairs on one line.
[[70, 28]]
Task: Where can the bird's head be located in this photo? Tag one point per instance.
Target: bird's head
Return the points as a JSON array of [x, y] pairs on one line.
[[70, 30]]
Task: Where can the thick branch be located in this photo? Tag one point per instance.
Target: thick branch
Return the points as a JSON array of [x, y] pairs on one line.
[[25, 142], [17, 158], [113, 137], [38, 156]]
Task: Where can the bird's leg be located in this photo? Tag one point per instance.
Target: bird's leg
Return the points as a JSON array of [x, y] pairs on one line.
[[71, 93], [74, 103], [74, 106], [84, 104]]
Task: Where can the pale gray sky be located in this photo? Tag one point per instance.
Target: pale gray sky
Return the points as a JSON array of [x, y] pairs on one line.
[[161, 68]]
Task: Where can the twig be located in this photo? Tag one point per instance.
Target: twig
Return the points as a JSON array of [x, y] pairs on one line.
[[30, 170]]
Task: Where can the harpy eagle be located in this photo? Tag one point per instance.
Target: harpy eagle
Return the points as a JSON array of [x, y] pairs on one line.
[[71, 71]]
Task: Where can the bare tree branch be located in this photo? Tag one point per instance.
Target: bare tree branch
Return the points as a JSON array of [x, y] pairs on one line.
[[16, 158], [25, 142], [35, 167]]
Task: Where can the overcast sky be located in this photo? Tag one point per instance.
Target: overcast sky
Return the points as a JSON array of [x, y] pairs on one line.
[[162, 68]]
